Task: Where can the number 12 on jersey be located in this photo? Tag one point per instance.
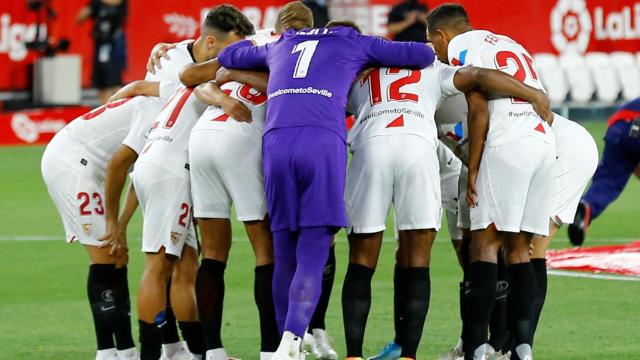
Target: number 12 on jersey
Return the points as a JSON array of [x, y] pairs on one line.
[[306, 50]]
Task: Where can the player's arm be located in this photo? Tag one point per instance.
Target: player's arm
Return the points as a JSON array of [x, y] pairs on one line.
[[113, 184], [211, 94], [243, 55], [381, 52], [130, 206], [136, 88], [478, 124], [256, 79], [468, 78], [196, 74]]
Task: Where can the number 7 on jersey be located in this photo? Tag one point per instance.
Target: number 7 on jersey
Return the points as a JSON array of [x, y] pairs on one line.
[[306, 50]]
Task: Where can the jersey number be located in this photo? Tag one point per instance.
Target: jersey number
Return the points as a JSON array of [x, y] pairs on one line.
[[306, 50], [182, 220], [394, 92], [173, 117], [86, 200], [95, 112], [504, 59]]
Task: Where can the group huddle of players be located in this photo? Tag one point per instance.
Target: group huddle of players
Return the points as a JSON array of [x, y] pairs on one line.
[[258, 121]]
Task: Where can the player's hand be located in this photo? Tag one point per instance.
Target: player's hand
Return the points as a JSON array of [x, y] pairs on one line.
[[472, 193], [224, 76], [236, 109], [120, 248], [110, 237], [159, 51], [542, 106]]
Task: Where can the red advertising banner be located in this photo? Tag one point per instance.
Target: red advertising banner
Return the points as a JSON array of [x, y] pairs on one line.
[[35, 126], [540, 25]]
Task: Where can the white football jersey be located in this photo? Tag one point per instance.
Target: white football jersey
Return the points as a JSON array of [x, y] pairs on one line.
[[214, 117], [168, 141], [99, 132], [178, 58], [451, 121], [510, 118], [399, 101]]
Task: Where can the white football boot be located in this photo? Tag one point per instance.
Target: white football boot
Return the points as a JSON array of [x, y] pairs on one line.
[[290, 348], [318, 344], [107, 354], [128, 354]]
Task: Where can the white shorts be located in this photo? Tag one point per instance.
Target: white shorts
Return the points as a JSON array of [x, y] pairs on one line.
[[450, 167], [576, 163], [398, 169], [454, 231], [514, 187], [464, 212], [77, 194], [226, 168], [165, 200]]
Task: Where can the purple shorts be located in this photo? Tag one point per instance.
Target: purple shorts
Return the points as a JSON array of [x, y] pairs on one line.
[[304, 174]]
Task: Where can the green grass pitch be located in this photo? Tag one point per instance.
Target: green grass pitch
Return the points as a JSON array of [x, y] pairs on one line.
[[44, 313]]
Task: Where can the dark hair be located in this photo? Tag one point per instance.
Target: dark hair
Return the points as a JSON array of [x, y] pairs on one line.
[[224, 19], [294, 15], [447, 16], [345, 23]]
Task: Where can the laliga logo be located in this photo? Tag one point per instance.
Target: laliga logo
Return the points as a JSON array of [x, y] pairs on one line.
[[13, 36], [25, 129], [570, 26]]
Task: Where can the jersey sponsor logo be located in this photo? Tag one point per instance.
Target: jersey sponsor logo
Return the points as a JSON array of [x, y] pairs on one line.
[[572, 25], [460, 60]]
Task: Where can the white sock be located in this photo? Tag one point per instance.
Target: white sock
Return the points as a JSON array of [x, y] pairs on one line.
[[266, 355], [217, 354], [168, 350]]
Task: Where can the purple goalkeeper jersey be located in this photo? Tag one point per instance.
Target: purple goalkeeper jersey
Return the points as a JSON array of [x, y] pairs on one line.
[[311, 72]]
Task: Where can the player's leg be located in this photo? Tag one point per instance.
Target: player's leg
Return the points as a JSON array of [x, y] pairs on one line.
[[539, 263], [368, 197], [619, 159], [171, 343], [534, 220], [215, 237], [101, 290], [183, 300], [418, 200], [522, 282], [317, 339], [499, 324], [212, 205], [262, 243], [364, 250], [152, 302], [496, 210], [413, 259]]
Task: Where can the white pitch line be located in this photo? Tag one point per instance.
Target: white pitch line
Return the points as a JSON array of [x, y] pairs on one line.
[[593, 276]]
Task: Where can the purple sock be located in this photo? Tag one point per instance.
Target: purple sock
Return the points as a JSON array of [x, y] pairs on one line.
[[284, 243], [311, 254]]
